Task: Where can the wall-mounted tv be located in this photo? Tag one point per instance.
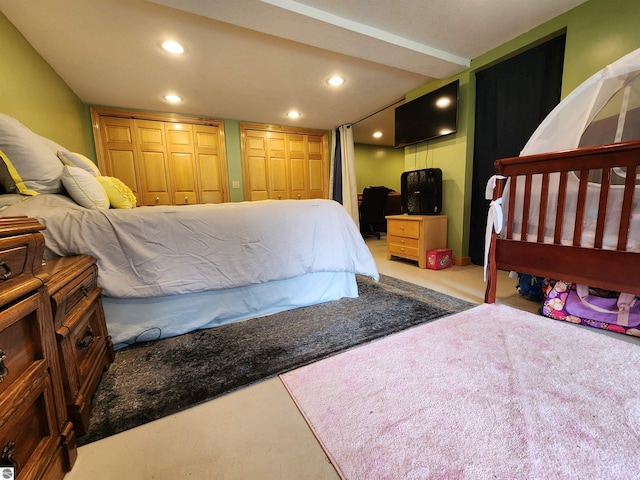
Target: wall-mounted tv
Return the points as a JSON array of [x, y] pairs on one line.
[[427, 117]]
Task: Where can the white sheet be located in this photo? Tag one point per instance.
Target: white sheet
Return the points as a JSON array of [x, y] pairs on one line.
[[167, 250]]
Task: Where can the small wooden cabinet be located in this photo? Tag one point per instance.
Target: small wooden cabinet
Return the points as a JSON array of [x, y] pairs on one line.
[[36, 437], [84, 346], [410, 236]]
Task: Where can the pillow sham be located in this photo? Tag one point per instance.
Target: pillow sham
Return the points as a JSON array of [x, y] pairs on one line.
[[78, 160], [84, 189], [31, 164], [120, 195]]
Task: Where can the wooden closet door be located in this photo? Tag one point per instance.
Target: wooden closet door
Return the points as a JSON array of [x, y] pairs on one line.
[[317, 164], [277, 168], [254, 167], [210, 164], [153, 162], [298, 166], [118, 155], [182, 163]]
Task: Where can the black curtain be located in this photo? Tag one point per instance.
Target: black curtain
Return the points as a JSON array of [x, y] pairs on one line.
[[512, 99], [337, 169]]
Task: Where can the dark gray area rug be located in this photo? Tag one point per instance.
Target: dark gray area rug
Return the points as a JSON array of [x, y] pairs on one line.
[[151, 380]]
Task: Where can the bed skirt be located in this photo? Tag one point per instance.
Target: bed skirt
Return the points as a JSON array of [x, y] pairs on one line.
[[133, 320]]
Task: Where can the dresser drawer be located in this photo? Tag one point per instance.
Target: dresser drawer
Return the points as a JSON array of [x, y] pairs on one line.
[[403, 228], [403, 251], [402, 241], [28, 431], [87, 341], [71, 296], [21, 347]]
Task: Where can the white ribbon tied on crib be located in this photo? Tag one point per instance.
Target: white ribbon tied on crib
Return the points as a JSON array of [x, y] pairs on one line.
[[494, 217]]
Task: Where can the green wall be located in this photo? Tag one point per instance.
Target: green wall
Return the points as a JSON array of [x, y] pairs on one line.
[[376, 165], [598, 33], [33, 93]]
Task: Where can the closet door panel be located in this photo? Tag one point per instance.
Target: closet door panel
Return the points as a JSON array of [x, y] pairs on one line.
[[298, 166], [213, 171], [152, 155], [118, 155], [182, 165], [318, 165], [277, 166], [255, 167]]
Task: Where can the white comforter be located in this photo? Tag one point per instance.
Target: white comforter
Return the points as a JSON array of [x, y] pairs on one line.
[[164, 250]]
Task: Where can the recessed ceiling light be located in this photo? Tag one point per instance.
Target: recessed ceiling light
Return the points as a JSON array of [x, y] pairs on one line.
[[377, 134], [173, 47], [293, 114], [173, 98], [335, 81]]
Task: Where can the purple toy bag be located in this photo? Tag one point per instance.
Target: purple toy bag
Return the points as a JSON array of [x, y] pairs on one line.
[[618, 312]]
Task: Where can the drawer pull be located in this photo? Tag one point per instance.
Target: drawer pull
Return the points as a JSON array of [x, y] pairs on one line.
[[7, 270], [87, 340], [84, 290], [6, 459], [4, 371]]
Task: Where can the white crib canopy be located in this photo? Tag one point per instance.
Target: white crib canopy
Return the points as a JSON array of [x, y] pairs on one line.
[[604, 109]]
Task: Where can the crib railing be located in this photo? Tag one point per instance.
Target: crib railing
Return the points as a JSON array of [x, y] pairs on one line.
[[522, 250]]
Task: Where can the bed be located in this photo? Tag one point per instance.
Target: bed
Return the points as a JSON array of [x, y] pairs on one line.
[[563, 215], [167, 270]]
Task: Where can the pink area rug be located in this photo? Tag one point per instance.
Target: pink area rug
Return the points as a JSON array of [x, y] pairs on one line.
[[489, 393]]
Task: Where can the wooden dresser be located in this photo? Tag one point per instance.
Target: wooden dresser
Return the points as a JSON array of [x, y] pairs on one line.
[[36, 437], [410, 236], [84, 346]]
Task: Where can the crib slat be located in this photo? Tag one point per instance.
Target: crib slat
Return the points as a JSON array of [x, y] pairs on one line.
[[627, 204], [524, 234], [544, 200], [562, 197], [605, 183], [582, 196], [512, 202]]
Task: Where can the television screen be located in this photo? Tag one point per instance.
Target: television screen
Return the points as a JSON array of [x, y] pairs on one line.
[[429, 116]]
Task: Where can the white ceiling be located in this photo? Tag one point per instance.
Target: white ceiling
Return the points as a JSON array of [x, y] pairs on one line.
[[254, 60]]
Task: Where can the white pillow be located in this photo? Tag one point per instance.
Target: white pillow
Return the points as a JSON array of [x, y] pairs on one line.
[[30, 161], [78, 160], [85, 190]]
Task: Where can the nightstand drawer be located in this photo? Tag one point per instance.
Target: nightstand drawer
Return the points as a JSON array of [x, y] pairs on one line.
[[21, 348], [403, 251], [87, 340], [403, 228], [70, 296], [28, 433], [395, 241]]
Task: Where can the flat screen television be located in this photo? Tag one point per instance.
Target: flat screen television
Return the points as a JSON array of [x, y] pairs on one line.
[[430, 116]]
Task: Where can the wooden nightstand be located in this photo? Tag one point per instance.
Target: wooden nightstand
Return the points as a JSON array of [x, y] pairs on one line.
[[410, 236], [36, 437], [84, 345]]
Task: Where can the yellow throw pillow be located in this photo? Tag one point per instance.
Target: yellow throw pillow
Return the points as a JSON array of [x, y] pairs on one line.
[[120, 195]]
